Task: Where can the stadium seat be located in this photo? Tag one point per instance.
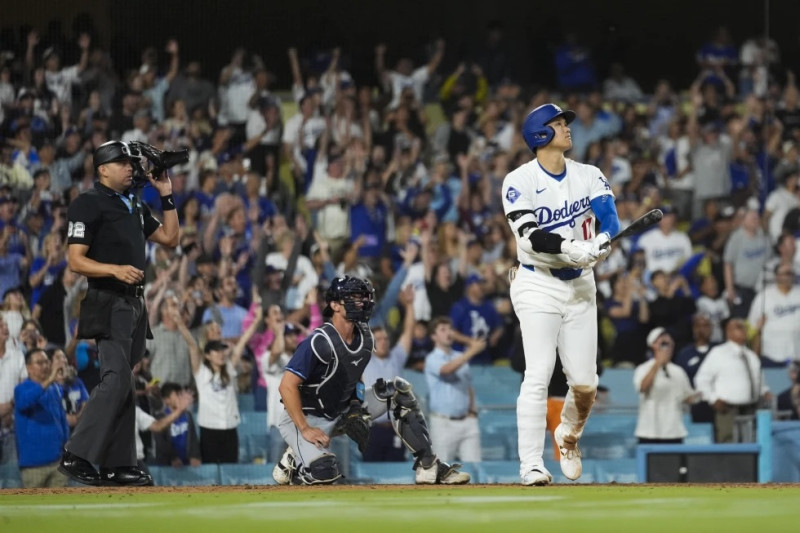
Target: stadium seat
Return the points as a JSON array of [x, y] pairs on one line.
[[254, 474], [607, 445], [614, 471], [185, 476], [498, 472]]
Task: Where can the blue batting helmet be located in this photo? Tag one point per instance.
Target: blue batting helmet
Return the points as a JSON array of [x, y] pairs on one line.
[[536, 131]]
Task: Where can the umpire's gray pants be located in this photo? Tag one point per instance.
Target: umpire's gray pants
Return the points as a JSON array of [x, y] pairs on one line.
[[305, 452], [105, 432]]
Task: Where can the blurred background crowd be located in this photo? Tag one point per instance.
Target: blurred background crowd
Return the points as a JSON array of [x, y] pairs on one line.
[[394, 177]]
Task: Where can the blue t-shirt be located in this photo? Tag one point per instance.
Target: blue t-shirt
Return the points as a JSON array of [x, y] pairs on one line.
[[232, 318], [475, 321], [41, 424], [73, 396], [371, 223], [179, 436], [49, 277]]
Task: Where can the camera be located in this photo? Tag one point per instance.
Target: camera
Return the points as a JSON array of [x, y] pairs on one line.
[[160, 159], [664, 345]]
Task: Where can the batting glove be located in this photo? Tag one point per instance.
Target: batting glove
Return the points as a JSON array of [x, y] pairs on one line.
[[579, 252], [601, 246]]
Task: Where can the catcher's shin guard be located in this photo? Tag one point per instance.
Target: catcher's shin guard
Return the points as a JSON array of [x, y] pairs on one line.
[[407, 419]]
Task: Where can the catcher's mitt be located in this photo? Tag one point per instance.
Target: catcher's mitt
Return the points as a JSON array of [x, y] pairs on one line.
[[355, 424]]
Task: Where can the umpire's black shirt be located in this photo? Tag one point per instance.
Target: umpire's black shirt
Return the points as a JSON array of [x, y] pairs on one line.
[[114, 232]]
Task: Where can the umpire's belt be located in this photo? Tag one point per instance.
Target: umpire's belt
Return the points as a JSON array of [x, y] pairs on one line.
[[564, 274], [118, 287]]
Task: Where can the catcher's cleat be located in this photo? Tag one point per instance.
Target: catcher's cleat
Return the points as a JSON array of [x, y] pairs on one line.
[[440, 473], [571, 465], [285, 468]]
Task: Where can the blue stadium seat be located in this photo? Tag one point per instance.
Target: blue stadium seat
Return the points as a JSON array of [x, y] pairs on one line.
[[494, 447], [615, 471], [607, 445], [253, 448], [498, 472], [700, 433], [239, 474], [619, 382], [185, 476]]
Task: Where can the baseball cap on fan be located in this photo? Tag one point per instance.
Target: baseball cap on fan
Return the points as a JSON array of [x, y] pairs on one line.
[[654, 334], [215, 346]]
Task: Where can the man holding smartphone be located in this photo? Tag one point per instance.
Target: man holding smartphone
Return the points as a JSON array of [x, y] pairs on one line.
[[663, 388]]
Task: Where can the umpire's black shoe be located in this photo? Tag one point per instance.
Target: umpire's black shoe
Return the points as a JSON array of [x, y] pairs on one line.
[[78, 469], [125, 476]]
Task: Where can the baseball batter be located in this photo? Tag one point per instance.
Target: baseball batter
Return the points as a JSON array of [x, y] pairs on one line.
[[553, 204]]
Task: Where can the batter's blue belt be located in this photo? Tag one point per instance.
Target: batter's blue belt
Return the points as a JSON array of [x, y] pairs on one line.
[[564, 274]]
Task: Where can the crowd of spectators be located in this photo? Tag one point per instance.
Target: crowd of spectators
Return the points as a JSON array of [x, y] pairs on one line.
[[394, 179]]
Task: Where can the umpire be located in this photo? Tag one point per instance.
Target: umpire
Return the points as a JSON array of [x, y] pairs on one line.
[[106, 236]]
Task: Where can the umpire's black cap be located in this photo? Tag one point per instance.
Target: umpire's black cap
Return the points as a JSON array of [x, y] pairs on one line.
[[114, 151]]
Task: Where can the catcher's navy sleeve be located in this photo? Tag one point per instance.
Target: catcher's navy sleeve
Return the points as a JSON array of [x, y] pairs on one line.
[[606, 211], [302, 362]]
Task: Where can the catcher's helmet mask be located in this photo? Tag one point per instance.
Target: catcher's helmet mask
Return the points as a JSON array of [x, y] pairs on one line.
[[536, 130], [356, 295]]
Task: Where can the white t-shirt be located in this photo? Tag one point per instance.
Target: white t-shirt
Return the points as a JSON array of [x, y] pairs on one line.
[[717, 311], [661, 408], [143, 421], [560, 206], [304, 269], [665, 252], [272, 376], [12, 371], [236, 96], [60, 82], [332, 222], [780, 339], [416, 81], [416, 277], [217, 407], [255, 127], [779, 203]]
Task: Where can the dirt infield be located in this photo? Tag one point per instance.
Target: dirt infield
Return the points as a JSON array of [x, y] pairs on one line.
[[366, 488]]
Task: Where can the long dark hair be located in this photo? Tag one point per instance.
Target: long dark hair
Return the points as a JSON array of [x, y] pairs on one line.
[[223, 372]]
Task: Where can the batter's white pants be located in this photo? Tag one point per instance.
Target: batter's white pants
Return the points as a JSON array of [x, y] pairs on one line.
[[456, 439], [553, 314]]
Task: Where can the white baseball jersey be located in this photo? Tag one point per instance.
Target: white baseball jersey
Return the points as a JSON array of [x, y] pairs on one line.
[[560, 204], [665, 252], [780, 339]]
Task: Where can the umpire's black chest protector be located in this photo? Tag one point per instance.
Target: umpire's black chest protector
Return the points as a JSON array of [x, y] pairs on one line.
[[345, 366]]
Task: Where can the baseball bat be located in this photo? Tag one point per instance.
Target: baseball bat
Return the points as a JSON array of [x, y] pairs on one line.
[[639, 225]]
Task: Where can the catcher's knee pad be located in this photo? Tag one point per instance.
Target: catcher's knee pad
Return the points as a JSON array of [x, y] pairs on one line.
[[321, 471]]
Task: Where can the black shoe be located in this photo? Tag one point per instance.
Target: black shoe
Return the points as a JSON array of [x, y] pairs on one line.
[[78, 469], [127, 476]]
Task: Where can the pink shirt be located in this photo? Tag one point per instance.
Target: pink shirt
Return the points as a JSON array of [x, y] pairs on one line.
[[260, 342]]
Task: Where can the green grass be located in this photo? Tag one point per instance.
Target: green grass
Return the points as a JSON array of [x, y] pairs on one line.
[[381, 509]]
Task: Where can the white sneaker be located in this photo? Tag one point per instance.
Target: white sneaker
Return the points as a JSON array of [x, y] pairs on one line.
[[284, 470], [538, 476], [440, 473], [570, 453]]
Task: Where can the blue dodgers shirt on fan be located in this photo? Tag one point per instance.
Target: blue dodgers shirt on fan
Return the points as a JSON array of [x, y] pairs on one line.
[[179, 436]]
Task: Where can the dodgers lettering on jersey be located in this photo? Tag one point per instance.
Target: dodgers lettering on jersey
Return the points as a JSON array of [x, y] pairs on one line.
[[560, 206]]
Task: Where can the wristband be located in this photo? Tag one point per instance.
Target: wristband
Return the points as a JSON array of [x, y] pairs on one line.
[[167, 203]]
